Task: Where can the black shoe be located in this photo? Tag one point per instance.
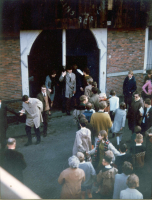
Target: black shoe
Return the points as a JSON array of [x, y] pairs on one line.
[[28, 143], [37, 142], [113, 135], [45, 134], [68, 113]]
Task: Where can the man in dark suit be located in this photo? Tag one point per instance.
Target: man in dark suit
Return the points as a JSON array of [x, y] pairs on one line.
[[147, 116], [14, 162], [44, 97], [129, 87]]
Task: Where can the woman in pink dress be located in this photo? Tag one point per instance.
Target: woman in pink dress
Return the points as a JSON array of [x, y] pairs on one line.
[[149, 92]]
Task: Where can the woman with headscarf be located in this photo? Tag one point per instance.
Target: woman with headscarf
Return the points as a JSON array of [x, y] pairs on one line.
[[71, 179], [50, 85]]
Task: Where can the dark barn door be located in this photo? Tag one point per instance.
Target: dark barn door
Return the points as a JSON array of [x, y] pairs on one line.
[[45, 55], [82, 49]]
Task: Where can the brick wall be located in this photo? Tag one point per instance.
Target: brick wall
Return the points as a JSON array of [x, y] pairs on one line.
[[10, 69], [116, 83], [125, 52]]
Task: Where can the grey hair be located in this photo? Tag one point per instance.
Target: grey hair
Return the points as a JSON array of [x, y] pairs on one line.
[[11, 141], [73, 162]]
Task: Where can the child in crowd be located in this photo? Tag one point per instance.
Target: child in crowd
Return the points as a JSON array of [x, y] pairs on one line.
[[120, 159], [94, 84], [94, 99], [148, 157], [88, 88], [82, 141], [119, 122], [103, 145], [80, 109], [106, 177], [137, 130], [103, 97], [131, 192], [90, 175], [120, 179], [90, 127], [89, 111], [114, 104], [138, 152]]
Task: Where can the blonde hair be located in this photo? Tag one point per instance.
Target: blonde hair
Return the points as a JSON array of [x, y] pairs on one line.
[[130, 72], [83, 98], [104, 134], [133, 181]]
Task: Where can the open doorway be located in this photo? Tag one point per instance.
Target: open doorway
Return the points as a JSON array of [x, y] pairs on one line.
[[82, 50], [45, 55]]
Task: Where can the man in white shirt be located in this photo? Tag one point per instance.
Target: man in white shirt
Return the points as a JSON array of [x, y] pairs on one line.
[[114, 104]]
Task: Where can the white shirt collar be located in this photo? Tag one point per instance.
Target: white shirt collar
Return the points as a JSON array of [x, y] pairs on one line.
[[108, 166], [139, 144], [82, 162]]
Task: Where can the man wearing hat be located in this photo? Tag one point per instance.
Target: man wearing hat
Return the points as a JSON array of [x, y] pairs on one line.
[[14, 162], [70, 88], [90, 175], [44, 97]]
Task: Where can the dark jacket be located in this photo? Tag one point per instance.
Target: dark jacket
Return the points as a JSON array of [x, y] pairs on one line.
[[134, 118], [79, 83], [148, 121], [121, 159], [14, 163], [129, 86]]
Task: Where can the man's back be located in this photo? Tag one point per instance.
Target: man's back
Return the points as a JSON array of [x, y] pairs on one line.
[[14, 163], [89, 172], [94, 100], [100, 121], [119, 184], [121, 159]]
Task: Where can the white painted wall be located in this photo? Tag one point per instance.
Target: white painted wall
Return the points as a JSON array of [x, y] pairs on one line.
[[64, 47], [27, 39], [146, 49], [100, 35]]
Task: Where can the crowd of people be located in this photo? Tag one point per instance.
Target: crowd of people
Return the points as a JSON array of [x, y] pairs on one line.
[[114, 171], [96, 165]]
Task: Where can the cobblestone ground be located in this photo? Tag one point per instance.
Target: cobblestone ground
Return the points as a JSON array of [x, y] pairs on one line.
[[46, 160]]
